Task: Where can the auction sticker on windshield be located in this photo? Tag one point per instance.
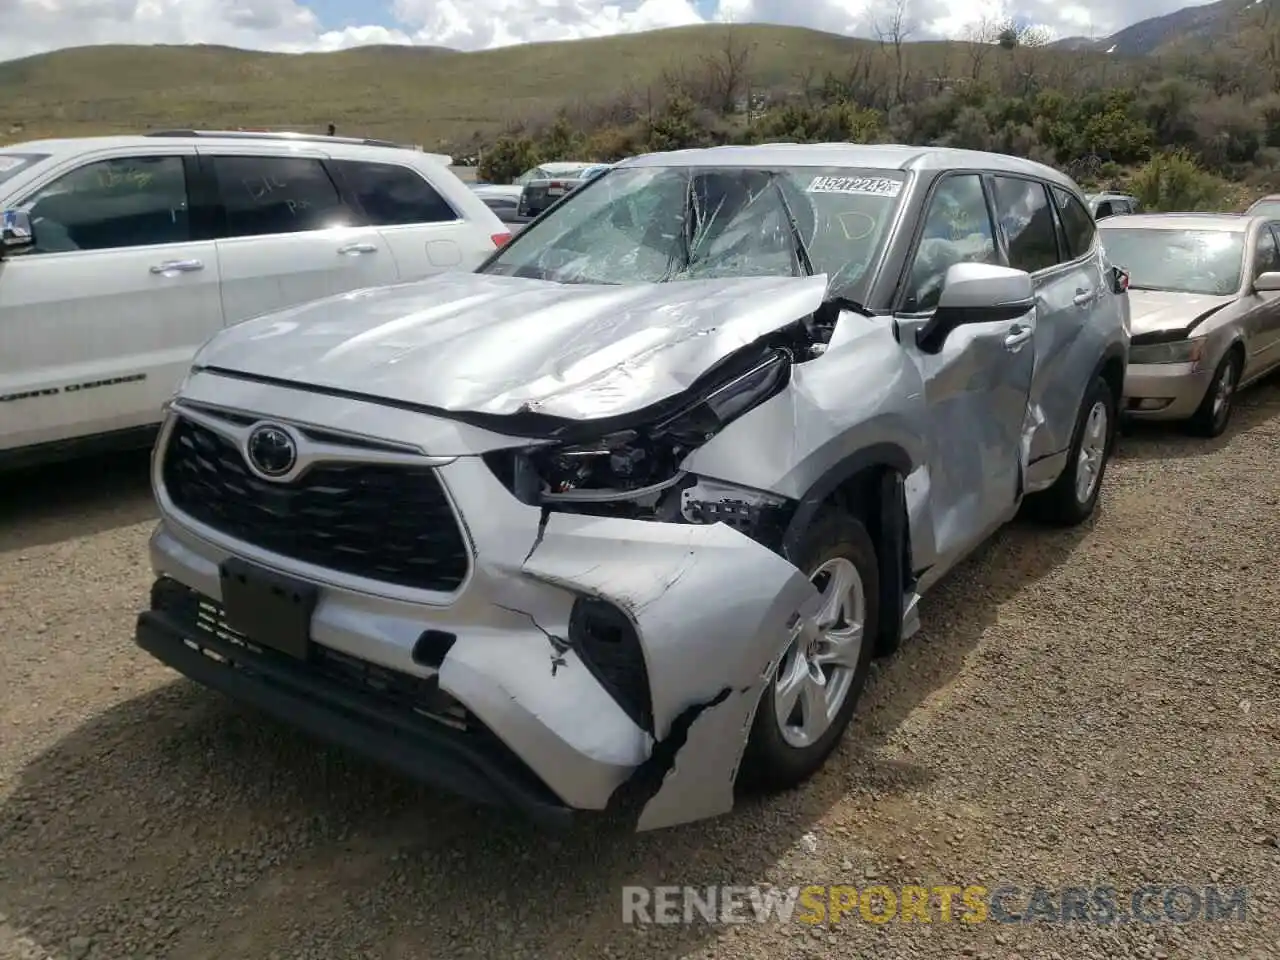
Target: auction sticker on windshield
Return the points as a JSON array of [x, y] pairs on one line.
[[865, 186]]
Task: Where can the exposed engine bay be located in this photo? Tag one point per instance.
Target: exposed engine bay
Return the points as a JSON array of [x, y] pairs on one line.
[[635, 472]]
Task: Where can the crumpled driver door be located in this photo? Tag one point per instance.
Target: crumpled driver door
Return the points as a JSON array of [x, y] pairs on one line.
[[976, 391]]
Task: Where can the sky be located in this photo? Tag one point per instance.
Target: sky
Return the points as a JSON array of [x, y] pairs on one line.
[[35, 26]]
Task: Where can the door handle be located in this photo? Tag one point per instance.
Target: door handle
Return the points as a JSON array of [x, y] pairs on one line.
[[352, 249], [178, 266], [1019, 334], [1084, 297]]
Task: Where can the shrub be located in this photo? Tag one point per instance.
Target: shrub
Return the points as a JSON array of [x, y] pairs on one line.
[[509, 157], [1173, 181]]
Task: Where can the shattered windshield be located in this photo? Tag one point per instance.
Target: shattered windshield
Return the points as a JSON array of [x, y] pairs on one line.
[[661, 224], [1177, 261]]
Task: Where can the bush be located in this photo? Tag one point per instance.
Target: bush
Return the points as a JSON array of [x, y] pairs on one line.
[[1187, 126], [509, 157], [1173, 181]]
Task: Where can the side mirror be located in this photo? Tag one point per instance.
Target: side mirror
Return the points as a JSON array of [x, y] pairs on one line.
[[15, 232], [1267, 282], [976, 293]]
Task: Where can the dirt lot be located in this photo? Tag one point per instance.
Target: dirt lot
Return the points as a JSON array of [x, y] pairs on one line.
[[1089, 707]]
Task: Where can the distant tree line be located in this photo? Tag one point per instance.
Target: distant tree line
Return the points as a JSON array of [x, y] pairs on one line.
[[1186, 130]]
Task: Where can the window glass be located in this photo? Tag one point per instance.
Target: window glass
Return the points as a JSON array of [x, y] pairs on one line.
[[1022, 207], [264, 195], [1104, 210], [121, 202], [651, 224], [1176, 260], [957, 229], [1077, 222], [1268, 255], [393, 194]]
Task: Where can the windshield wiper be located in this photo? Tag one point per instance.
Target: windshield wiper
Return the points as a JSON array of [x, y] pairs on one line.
[[801, 252]]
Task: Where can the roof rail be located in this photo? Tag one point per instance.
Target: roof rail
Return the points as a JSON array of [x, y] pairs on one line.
[[277, 135]]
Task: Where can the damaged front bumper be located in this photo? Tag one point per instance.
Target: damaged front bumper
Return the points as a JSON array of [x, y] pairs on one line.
[[583, 664]]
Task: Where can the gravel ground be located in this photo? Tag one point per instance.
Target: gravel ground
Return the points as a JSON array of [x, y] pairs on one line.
[[1096, 705]]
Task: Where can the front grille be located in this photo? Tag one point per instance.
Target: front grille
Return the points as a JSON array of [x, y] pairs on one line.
[[386, 522]]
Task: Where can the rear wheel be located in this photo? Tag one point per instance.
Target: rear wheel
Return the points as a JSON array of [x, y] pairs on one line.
[[1214, 412], [810, 700]]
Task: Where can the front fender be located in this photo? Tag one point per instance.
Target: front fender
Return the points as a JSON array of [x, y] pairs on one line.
[[713, 611]]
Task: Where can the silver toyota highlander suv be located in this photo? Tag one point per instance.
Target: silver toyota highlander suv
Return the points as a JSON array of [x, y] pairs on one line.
[[618, 521]]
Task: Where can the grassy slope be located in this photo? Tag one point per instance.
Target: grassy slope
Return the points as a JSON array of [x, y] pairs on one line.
[[423, 95]]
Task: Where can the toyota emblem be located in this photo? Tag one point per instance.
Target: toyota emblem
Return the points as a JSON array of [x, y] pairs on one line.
[[272, 451]]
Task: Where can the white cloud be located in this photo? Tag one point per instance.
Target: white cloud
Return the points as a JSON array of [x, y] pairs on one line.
[[476, 24], [34, 26]]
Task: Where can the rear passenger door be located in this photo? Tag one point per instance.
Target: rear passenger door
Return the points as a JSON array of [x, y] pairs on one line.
[[1069, 287], [100, 319], [425, 233], [287, 234]]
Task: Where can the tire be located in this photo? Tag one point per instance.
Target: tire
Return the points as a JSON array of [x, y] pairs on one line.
[[1062, 504], [776, 760], [1211, 418]]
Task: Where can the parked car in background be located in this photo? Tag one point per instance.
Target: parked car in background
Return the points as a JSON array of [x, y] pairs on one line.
[[500, 199], [1104, 205], [121, 255], [644, 495], [503, 196], [558, 180], [1205, 296], [1268, 206]]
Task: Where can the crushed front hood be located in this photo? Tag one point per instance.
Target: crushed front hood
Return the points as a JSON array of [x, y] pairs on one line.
[[475, 343], [1156, 310]]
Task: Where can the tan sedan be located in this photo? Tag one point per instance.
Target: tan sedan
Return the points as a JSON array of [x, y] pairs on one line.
[[1204, 295]]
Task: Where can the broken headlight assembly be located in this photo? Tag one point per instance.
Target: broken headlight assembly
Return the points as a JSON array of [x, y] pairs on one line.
[[635, 471]]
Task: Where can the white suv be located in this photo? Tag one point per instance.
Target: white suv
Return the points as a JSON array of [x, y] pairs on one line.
[[120, 256]]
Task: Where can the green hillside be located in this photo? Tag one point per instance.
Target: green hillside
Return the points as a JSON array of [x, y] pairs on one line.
[[422, 95]]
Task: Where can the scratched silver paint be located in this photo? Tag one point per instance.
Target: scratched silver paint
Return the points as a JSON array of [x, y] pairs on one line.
[[975, 425]]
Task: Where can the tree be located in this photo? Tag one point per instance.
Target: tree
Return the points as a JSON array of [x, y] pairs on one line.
[[979, 38], [892, 32], [1011, 35], [727, 71]]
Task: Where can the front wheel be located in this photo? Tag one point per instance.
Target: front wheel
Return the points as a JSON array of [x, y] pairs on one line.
[[1214, 412], [810, 700], [1074, 495]]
